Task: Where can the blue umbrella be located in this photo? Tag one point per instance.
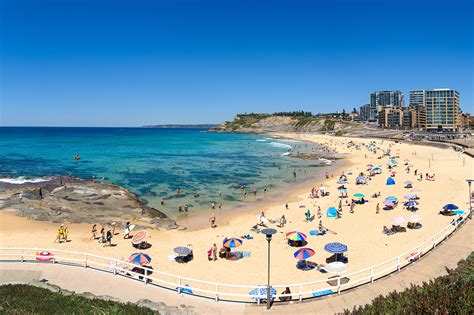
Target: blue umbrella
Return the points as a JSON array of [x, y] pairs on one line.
[[391, 198], [342, 182], [377, 169], [360, 178], [408, 182], [260, 293], [450, 206], [335, 248], [410, 196], [390, 181], [411, 203], [343, 190]]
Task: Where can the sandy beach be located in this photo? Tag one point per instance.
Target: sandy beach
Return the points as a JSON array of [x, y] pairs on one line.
[[361, 231]]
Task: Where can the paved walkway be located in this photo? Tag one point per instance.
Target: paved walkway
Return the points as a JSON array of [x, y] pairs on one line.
[[71, 278]]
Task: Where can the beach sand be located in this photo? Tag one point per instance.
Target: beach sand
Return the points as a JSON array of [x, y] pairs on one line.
[[361, 231]]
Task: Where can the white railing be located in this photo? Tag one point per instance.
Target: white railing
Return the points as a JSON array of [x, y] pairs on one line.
[[232, 292]]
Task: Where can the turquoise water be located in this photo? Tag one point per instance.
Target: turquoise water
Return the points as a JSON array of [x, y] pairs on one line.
[[154, 163]]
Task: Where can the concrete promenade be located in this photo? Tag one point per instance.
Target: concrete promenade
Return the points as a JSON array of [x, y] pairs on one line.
[[100, 283]]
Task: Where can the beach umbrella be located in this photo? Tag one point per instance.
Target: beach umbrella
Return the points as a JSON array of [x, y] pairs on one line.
[[414, 190], [390, 181], [335, 248], [336, 267], [342, 190], [295, 236], [398, 220], [370, 165], [139, 259], [182, 251], [303, 253], [393, 161], [377, 169], [414, 218], [388, 203], [391, 198], [342, 182], [450, 206], [359, 195], [408, 182], [393, 173], [232, 242], [139, 236], [360, 178], [411, 203], [410, 196], [260, 293]]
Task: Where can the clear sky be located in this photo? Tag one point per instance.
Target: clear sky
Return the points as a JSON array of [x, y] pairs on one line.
[[135, 62]]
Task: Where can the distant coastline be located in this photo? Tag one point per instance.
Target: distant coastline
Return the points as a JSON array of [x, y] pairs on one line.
[[170, 126]]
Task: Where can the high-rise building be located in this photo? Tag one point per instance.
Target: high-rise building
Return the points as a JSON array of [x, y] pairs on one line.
[[391, 118], [442, 110], [381, 100], [364, 112]]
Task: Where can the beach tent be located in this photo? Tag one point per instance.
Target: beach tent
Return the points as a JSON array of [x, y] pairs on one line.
[[390, 181], [331, 213]]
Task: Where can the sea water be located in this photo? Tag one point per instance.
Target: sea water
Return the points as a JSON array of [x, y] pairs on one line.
[[153, 163]]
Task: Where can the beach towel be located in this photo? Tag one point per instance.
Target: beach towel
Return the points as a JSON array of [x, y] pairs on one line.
[[322, 292]]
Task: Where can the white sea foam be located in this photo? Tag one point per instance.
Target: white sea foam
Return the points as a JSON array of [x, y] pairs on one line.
[[285, 154], [261, 140], [280, 145], [325, 161], [23, 180]]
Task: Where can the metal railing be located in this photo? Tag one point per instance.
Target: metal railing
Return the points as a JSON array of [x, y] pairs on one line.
[[232, 292]]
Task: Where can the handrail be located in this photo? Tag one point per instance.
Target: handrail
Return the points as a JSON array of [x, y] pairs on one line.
[[115, 265]]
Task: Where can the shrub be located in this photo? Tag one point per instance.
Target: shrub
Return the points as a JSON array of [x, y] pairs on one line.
[[453, 294]]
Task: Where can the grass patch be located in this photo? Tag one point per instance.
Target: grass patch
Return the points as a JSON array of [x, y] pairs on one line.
[[450, 294], [27, 299]]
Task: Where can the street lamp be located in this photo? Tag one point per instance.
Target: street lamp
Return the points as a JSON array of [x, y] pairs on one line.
[[469, 181], [268, 233]]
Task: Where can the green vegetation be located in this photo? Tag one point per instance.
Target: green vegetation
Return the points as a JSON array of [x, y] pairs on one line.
[[27, 299], [450, 294]]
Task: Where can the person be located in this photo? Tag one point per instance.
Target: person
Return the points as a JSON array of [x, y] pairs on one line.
[[385, 230], [377, 208], [286, 206], [65, 233], [41, 192], [286, 298], [59, 234], [254, 192], [109, 238], [213, 205], [102, 235], [162, 202], [308, 215], [282, 221], [21, 197], [212, 219], [126, 232], [113, 227], [94, 232], [352, 206], [214, 252], [319, 212]]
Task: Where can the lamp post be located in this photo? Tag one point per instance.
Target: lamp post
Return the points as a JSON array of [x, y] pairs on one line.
[[469, 181], [268, 233]]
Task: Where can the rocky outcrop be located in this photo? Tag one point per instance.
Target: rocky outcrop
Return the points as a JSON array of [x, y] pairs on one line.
[[66, 199], [263, 123]]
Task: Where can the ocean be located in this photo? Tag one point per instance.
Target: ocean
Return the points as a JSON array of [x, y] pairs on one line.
[[153, 163]]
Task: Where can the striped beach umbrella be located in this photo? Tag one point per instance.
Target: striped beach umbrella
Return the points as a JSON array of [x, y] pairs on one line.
[[295, 236], [139, 259], [232, 242], [303, 253], [335, 248]]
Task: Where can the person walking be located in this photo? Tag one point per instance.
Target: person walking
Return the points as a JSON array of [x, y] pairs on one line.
[[377, 209], [94, 232], [212, 219]]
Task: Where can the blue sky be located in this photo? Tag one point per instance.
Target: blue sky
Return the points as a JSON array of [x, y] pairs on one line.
[[130, 63]]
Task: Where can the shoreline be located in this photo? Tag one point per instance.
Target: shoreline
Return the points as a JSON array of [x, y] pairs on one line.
[[361, 231]]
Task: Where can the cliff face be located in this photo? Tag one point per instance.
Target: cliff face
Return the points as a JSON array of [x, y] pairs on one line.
[[261, 123]]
